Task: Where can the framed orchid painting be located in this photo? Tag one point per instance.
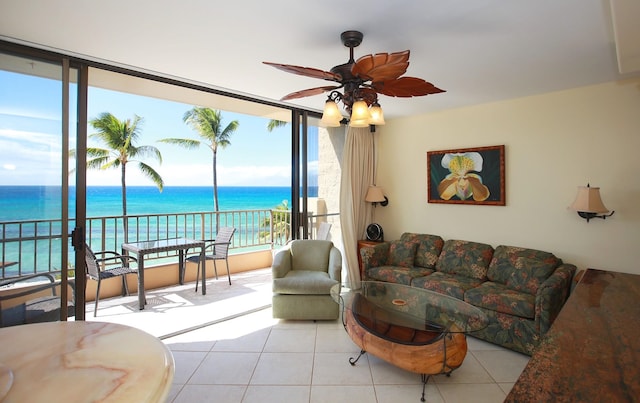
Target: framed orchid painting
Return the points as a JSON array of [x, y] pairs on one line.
[[466, 176]]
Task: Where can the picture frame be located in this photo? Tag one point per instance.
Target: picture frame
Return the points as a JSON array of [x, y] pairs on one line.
[[467, 176]]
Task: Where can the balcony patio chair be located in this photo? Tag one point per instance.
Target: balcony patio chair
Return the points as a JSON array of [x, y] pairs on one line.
[[98, 270], [220, 247], [43, 307], [323, 231]]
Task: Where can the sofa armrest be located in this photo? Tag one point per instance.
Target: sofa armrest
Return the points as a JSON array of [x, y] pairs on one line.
[[552, 295], [335, 264], [374, 256], [281, 262]]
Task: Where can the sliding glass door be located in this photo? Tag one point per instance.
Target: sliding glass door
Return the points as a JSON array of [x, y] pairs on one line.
[[38, 115]]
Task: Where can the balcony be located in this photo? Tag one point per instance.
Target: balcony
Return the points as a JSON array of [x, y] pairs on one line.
[[35, 246]]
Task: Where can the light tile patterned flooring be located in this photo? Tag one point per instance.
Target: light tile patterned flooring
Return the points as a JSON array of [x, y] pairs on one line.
[[255, 358]]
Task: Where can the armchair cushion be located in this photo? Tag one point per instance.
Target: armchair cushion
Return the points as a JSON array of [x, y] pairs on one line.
[[310, 255], [304, 282]]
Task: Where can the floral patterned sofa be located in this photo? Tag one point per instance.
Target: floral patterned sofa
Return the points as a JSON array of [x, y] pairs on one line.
[[521, 290]]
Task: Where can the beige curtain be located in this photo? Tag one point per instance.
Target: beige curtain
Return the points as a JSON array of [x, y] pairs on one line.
[[355, 214]]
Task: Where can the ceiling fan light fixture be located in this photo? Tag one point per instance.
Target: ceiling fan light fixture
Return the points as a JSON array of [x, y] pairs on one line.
[[377, 117], [331, 115], [360, 111], [359, 123]]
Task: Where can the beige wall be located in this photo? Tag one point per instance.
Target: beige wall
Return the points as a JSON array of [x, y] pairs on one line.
[[554, 143]]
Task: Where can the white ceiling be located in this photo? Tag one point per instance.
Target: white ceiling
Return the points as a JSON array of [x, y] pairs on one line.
[[478, 51]]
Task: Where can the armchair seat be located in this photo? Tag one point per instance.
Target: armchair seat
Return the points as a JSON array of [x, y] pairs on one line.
[[304, 282], [303, 273]]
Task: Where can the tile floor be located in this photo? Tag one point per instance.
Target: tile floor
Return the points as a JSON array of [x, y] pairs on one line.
[[223, 355], [255, 358]]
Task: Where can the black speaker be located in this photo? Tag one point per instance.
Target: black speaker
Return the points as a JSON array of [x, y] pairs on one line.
[[374, 232]]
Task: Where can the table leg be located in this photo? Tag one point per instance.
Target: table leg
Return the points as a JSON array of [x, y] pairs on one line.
[[181, 266], [204, 270], [141, 298]]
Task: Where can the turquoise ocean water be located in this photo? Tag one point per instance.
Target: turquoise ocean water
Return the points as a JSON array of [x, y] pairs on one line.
[[44, 202], [19, 203]]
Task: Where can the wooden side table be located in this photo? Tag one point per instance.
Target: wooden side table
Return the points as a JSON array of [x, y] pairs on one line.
[[361, 244]]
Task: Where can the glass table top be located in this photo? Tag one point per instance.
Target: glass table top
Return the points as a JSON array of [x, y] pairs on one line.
[[411, 307]]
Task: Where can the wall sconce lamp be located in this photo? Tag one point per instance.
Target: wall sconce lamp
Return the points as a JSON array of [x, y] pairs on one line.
[[375, 196], [589, 205]]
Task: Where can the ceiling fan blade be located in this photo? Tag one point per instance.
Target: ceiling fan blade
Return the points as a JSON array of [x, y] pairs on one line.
[[305, 71], [309, 92], [381, 66], [405, 87]]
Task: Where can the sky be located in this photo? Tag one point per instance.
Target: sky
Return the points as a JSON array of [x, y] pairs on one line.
[[30, 140]]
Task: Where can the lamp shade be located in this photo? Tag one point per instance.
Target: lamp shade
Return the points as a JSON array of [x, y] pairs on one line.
[[360, 110], [588, 200], [331, 116], [374, 195], [377, 117]]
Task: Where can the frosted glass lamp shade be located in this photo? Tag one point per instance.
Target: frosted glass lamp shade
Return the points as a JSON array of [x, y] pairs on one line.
[[331, 116], [360, 115], [377, 117]]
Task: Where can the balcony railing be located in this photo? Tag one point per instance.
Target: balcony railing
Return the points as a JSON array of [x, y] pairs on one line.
[[28, 247]]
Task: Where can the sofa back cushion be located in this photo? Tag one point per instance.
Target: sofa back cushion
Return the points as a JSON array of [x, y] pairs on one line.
[[310, 254], [465, 258], [429, 248], [521, 269], [401, 253]]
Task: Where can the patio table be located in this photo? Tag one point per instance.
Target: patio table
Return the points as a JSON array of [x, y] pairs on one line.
[[164, 245]]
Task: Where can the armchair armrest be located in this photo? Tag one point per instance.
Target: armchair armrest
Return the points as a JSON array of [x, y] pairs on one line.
[[335, 264], [281, 262], [552, 295]]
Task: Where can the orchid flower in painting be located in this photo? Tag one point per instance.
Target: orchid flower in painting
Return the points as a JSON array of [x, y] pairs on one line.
[[461, 181]]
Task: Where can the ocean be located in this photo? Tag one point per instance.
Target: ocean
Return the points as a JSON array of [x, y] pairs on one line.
[[44, 202]]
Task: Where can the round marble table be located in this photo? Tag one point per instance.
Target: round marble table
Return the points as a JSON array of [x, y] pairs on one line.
[[83, 361]]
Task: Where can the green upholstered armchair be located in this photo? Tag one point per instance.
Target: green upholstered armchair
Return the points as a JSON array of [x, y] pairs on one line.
[[303, 273]]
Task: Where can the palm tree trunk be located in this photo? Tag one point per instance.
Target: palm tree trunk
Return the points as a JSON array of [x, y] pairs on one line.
[[216, 206], [125, 221]]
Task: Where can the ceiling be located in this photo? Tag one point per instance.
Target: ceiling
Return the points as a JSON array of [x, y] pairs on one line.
[[480, 51]]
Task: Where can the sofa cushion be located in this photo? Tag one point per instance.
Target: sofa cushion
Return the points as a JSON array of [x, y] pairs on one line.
[[396, 274], [304, 282], [401, 253], [521, 269], [499, 298], [465, 258], [448, 284], [429, 248]]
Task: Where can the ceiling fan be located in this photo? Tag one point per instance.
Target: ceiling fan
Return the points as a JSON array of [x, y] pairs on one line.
[[362, 80]]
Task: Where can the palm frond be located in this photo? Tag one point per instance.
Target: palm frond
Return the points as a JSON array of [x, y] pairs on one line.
[[189, 144], [152, 174], [274, 124]]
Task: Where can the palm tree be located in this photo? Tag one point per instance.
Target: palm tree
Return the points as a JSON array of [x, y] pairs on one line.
[[274, 124], [119, 138], [208, 123], [280, 226]]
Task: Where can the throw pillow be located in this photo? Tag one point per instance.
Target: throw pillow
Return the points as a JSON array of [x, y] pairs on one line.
[[401, 253]]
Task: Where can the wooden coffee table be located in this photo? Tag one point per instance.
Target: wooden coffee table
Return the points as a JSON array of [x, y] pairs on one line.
[[412, 328]]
